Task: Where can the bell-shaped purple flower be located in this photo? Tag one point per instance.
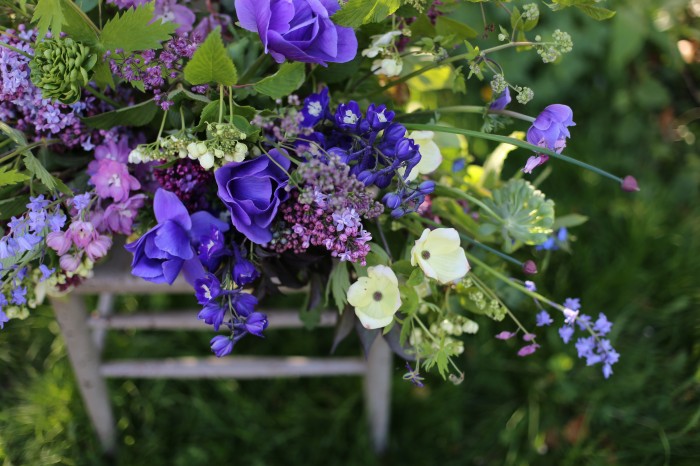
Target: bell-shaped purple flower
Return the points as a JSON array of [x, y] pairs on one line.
[[244, 272], [207, 288], [221, 345], [212, 314], [315, 108], [502, 101], [348, 116], [379, 117], [256, 323], [550, 127]]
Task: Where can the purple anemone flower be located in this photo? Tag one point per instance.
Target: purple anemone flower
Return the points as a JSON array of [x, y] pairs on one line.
[[298, 30]]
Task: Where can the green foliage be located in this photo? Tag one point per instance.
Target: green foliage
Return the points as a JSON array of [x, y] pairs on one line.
[[338, 285], [286, 80], [132, 30], [63, 16], [134, 115], [48, 14], [10, 177], [35, 167], [589, 7], [355, 13], [211, 63], [520, 213]]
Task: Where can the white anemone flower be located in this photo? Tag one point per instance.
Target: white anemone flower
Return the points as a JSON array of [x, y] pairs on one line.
[[376, 297], [430, 155], [389, 67], [440, 255]]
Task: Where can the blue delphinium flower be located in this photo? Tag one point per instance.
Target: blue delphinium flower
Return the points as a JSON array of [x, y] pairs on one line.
[[222, 345], [502, 101]]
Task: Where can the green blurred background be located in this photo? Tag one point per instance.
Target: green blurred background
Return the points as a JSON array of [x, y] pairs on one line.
[[636, 100]]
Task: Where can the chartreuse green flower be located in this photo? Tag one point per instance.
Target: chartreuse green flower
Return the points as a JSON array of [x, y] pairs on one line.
[[61, 67], [376, 297], [440, 255]]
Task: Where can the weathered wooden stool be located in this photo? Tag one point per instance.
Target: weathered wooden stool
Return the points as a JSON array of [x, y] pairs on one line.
[[84, 336]]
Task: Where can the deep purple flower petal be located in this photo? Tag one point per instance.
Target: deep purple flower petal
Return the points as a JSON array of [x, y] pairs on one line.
[[167, 206]]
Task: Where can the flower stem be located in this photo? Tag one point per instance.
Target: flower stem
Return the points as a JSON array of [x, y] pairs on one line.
[[513, 141], [468, 109]]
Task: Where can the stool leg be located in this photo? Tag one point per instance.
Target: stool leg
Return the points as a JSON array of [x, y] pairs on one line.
[[378, 393], [84, 357]]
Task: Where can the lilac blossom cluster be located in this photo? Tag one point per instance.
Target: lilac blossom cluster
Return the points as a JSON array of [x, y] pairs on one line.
[[188, 180], [24, 108], [376, 149], [154, 69], [327, 211]]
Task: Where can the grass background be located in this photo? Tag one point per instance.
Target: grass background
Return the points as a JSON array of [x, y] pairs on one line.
[[637, 259]]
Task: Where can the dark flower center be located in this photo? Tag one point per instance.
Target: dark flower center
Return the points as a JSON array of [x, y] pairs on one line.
[[425, 255], [377, 296]]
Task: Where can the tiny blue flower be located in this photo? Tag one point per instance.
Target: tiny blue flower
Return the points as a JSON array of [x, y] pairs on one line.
[[543, 318]]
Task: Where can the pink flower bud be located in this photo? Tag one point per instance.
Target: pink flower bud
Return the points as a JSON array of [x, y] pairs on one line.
[[69, 263], [629, 184], [59, 242], [505, 335], [530, 268], [528, 350], [98, 247]]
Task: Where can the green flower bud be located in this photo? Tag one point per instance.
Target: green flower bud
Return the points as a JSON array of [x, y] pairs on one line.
[[60, 68]]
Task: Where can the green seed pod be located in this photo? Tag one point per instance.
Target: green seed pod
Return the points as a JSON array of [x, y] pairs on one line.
[[60, 68]]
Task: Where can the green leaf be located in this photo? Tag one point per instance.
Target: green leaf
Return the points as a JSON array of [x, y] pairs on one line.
[[568, 221], [358, 12], [409, 300], [13, 206], [252, 132], [37, 169], [402, 267], [133, 30], [446, 26], [377, 255], [180, 93], [210, 114], [287, 80], [596, 12], [48, 14], [11, 177], [338, 285], [135, 115], [417, 277], [102, 75], [210, 63]]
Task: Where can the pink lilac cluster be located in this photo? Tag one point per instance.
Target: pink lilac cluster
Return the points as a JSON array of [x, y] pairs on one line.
[[81, 239], [154, 68], [115, 208], [23, 107], [189, 181], [327, 212]]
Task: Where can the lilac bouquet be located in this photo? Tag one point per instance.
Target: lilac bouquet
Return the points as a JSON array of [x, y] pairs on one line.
[[292, 145]]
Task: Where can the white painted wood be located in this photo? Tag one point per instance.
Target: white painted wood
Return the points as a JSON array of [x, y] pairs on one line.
[[237, 367], [84, 357], [105, 306], [377, 389], [187, 320]]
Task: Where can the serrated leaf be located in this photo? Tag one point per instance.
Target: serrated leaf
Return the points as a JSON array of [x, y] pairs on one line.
[[48, 14], [133, 30], [37, 169], [338, 285], [134, 115], [102, 75], [210, 63], [596, 12], [358, 12], [416, 277], [11, 177], [288, 79]]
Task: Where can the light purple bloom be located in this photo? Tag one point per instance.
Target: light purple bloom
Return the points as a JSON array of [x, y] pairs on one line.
[[550, 127], [602, 325], [570, 316], [253, 190], [81, 201], [37, 203], [3, 319], [169, 11], [505, 335], [45, 272], [528, 350], [543, 318], [19, 295], [119, 217], [298, 30], [566, 333], [530, 285], [572, 303]]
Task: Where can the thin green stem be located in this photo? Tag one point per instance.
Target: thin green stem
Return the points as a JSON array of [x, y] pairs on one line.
[[230, 102], [162, 125], [513, 141], [468, 109], [102, 97], [19, 150], [221, 103], [508, 46]]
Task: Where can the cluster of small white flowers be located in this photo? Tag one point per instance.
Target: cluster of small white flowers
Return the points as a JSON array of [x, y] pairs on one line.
[[455, 325], [525, 94], [165, 148], [531, 12], [498, 84], [552, 51], [225, 146], [562, 41], [390, 64]]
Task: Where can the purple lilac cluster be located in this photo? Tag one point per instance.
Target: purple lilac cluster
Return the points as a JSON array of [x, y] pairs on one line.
[[327, 211], [376, 149], [189, 181], [154, 69], [594, 348], [22, 105]]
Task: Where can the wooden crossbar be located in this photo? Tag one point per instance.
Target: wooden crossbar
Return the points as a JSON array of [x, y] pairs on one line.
[[84, 335]]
